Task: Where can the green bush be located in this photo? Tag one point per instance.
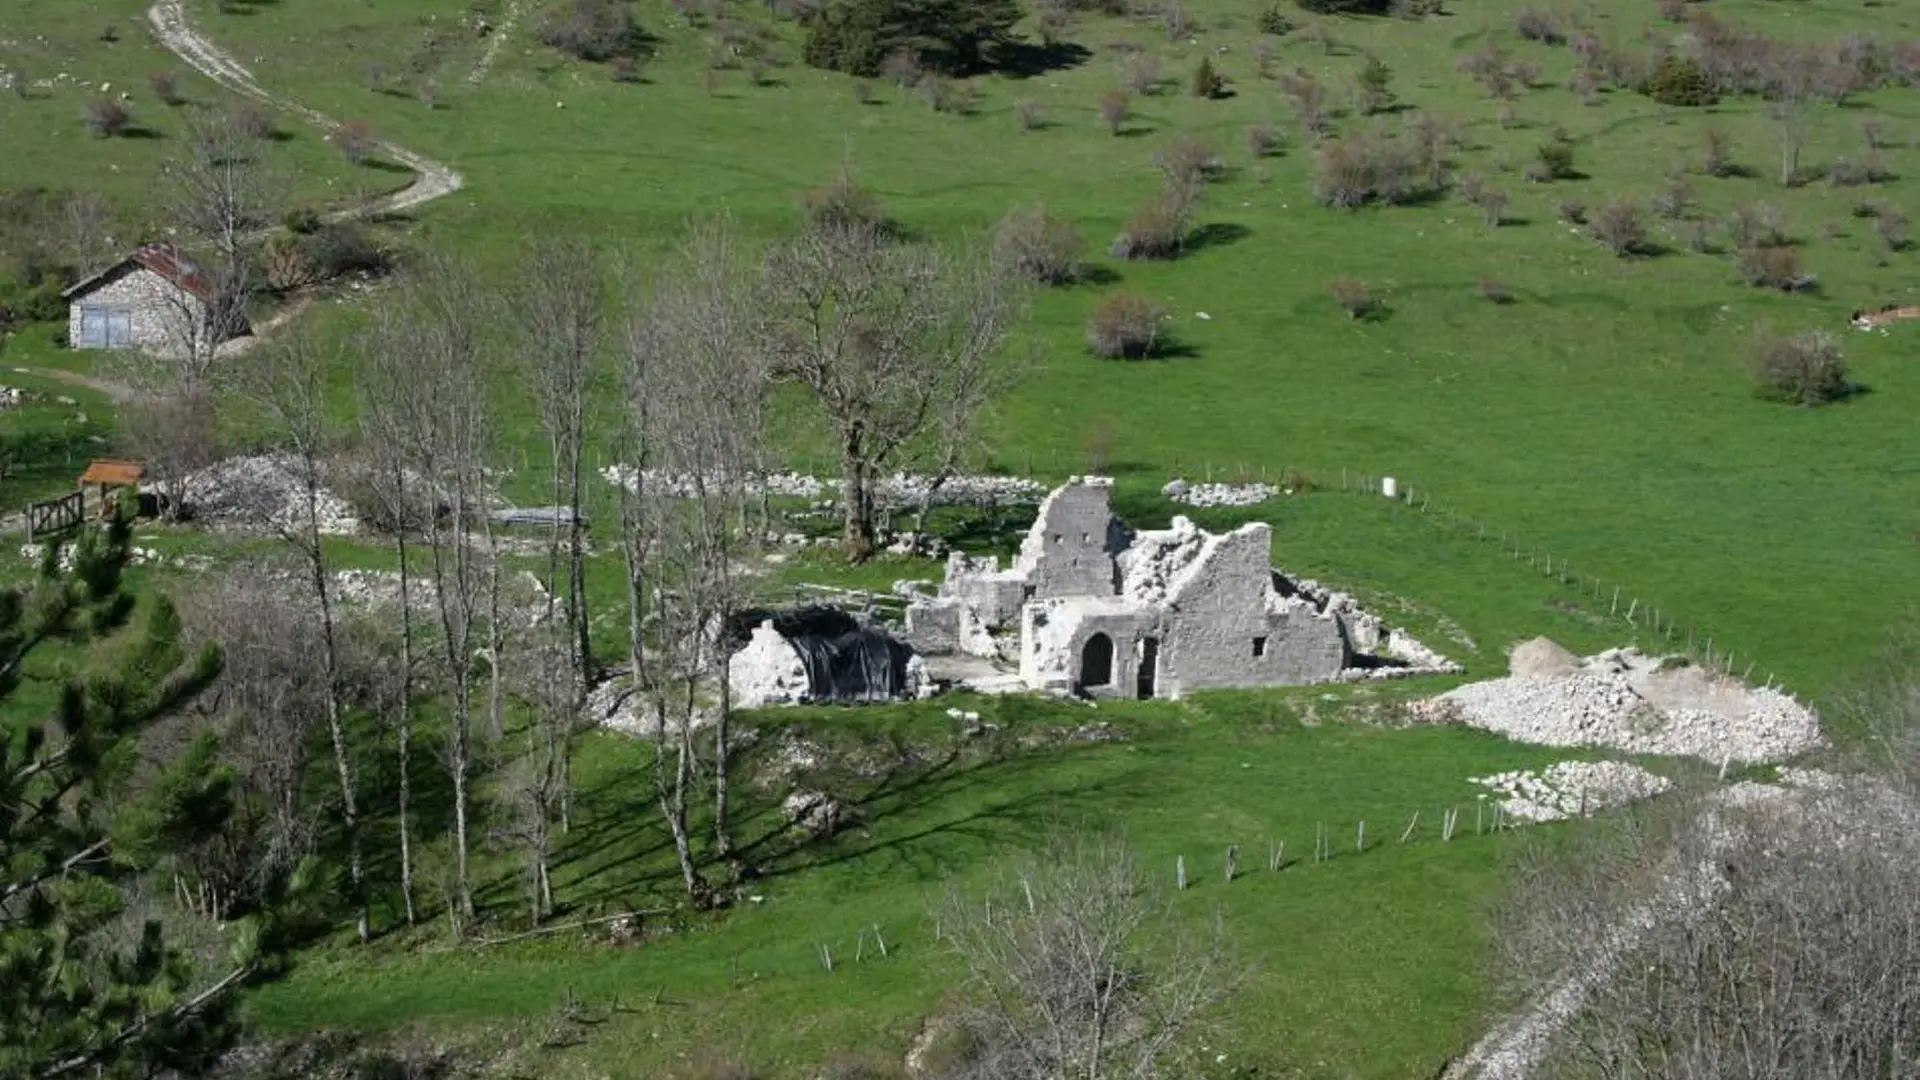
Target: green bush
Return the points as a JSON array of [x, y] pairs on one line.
[[1207, 83], [1273, 20], [1680, 80], [954, 37], [302, 220]]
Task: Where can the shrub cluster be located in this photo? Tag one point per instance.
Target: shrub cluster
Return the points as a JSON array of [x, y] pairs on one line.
[[1771, 268], [1362, 168], [592, 30], [842, 203], [1804, 369], [106, 117], [1681, 81], [1125, 326], [1040, 247], [1621, 228]]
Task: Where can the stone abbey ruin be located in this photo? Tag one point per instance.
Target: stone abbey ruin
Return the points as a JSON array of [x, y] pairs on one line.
[[1093, 608]]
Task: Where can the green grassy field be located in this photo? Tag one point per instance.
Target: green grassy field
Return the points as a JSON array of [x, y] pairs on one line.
[[1331, 949], [1604, 418]]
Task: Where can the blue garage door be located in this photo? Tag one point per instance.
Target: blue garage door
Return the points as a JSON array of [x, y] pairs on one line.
[[106, 328]]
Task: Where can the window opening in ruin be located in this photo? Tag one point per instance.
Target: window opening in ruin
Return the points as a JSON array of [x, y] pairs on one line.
[[1259, 646], [1057, 538], [1149, 663], [1026, 593], [1086, 538], [1096, 661]]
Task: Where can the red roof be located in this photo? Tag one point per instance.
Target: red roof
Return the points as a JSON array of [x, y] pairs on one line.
[[170, 263], [162, 258], [112, 473]]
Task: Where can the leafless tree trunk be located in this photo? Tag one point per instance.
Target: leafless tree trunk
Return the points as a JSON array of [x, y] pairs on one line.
[[289, 382], [560, 309], [85, 222], [1793, 80], [432, 330], [1078, 969], [385, 391], [705, 389], [884, 336]]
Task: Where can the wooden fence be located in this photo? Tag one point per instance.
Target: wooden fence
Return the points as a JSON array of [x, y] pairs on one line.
[[55, 516]]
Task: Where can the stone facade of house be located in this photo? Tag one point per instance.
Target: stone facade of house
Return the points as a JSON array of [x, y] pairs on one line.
[[133, 308]]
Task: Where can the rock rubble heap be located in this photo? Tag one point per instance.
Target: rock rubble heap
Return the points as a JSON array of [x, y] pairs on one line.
[[1569, 789], [264, 492], [1181, 491], [1628, 701]]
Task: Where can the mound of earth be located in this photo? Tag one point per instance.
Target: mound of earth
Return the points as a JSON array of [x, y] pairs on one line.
[[1636, 703], [1542, 658]]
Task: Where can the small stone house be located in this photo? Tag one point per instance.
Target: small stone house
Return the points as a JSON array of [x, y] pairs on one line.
[[1104, 611], [155, 299]]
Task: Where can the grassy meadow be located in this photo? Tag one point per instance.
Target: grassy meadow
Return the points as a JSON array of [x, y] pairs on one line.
[[1604, 418]]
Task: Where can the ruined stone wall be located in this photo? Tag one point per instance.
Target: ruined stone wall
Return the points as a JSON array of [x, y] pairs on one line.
[[1070, 549], [1221, 630], [1054, 636]]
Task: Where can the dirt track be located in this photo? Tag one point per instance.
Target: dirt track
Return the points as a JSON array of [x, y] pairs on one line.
[[432, 179]]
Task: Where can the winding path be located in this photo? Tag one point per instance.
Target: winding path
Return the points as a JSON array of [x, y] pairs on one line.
[[432, 179]]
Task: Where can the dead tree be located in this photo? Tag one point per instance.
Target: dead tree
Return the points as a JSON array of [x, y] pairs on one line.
[[883, 335], [288, 382], [560, 312], [1079, 970]]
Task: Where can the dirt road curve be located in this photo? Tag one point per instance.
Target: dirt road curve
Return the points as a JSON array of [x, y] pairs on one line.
[[169, 18]]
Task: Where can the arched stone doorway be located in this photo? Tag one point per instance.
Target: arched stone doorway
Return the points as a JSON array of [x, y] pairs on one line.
[[1096, 661]]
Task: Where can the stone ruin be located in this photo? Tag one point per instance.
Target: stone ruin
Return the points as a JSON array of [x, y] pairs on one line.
[[1091, 607]]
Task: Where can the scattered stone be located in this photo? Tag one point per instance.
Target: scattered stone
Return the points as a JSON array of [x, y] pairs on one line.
[[1570, 789], [263, 493]]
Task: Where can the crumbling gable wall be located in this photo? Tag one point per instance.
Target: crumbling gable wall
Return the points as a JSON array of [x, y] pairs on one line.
[[1070, 549], [1225, 627]]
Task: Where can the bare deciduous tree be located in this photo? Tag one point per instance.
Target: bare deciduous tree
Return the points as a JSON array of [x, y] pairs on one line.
[[560, 309], [288, 382], [389, 398], [431, 330], [1080, 970], [696, 385], [887, 337]]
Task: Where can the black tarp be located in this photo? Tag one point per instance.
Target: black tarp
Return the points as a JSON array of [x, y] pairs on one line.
[[846, 662]]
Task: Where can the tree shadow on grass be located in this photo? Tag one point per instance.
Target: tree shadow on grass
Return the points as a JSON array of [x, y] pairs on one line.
[[1025, 60], [138, 131], [1216, 234], [383, 165]]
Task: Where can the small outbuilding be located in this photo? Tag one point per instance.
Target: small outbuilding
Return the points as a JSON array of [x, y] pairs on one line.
[[157, 299], [108, 476]]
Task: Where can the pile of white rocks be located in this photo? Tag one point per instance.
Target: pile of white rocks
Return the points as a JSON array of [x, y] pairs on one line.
[[1635, 703], [262, 492], [1570, 789], [685, 485], [11, 396], [1181, 491]]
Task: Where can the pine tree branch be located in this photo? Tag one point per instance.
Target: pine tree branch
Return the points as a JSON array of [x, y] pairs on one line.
[[133, 1031], [78, 857]]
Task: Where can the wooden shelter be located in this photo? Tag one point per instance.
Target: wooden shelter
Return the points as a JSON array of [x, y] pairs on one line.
[[110, 474]]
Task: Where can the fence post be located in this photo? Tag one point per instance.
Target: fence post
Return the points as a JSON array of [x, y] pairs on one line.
[[1180, 872], [1233, 861]]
